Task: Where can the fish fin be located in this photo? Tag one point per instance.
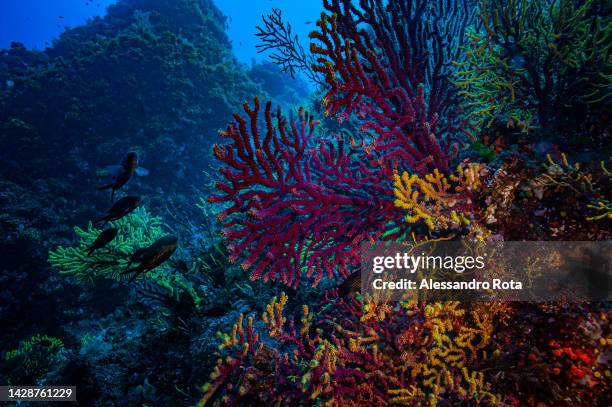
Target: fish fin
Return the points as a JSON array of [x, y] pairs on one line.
[[142, 172]]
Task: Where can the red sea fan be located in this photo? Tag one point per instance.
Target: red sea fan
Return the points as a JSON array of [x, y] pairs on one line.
[[391, 62], [297, 208], [300, 206]]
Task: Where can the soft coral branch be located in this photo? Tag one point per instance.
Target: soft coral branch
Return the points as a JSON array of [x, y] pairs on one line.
[[296, 208], [392, 61]]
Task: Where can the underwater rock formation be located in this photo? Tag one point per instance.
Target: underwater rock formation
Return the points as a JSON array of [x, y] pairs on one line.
[[156, 77]]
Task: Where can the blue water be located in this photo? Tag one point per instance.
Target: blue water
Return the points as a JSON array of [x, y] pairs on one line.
[[36, 23]]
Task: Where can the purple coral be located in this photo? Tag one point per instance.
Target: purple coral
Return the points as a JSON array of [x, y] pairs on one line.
[[296, 207]]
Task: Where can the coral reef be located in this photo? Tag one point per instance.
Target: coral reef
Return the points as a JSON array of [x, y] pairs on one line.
[[457, 120], [406, 102], [392, 63], [530, 63], [378, 354], [297, 207]]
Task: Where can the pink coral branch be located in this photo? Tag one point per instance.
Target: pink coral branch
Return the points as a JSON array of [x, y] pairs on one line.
[[296, 208]]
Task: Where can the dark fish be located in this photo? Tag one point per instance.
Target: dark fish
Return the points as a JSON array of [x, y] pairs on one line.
[[153, 256], [351, 285], [102, 240], [122, 174], [121, 208]]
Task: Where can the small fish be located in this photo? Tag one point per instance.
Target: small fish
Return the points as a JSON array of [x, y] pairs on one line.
[[121, 208], [351, 285], [102, 240], [153, 256], [122, 174]]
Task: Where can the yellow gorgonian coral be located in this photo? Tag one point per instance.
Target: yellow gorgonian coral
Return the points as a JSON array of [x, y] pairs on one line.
[[273, 317], [432, 199], [423, 198], [581, 180], [454, 345]]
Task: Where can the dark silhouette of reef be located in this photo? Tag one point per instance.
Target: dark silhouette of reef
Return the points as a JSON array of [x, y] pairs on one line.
[[157, 77], [153, 76]]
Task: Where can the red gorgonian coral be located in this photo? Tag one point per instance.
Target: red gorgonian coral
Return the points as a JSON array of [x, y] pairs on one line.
[[305, 206], [391, 61], [297, 206]]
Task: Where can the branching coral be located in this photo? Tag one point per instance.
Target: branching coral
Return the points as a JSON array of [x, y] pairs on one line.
[[297, 208], [135, 232], [276, 35], [434, 188], [527, 60], [590, 185], [391, 63], [302, 205], [409, 354], [33, 357], [439, 201]]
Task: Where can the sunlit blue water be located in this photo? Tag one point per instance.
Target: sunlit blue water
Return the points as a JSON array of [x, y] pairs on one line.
[[36, 22]]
